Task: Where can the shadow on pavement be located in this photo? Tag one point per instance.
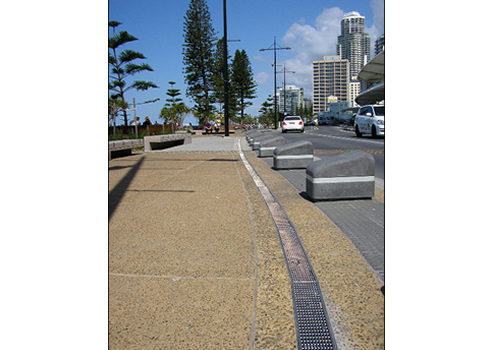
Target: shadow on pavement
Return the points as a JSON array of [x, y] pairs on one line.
[[117, 193]]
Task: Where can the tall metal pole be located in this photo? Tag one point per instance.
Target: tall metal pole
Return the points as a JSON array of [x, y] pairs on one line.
[[275, 48], [135, 117], [275, 79], [226, 78], [285, 71]]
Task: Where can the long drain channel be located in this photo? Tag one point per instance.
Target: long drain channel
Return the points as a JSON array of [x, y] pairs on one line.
[[312, 324]]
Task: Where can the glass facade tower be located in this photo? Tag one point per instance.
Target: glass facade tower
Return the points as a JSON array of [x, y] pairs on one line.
[[353, 43]]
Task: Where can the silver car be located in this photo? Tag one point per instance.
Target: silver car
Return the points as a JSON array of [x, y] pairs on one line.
[[293, 123]]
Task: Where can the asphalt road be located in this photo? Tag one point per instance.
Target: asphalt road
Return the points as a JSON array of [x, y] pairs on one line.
[[327, 137]]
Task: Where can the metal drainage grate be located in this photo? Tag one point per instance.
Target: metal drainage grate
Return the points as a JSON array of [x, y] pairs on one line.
[[312, 323]]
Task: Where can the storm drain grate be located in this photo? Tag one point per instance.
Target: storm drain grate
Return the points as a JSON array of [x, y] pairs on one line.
[[312, 324], [313, 327]]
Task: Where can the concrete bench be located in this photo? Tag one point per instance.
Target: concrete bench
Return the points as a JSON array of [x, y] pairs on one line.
[[257, 140], [123, 148], [296, 155], [221, 130], [254, 134], [157, 142], [268, 146], [343, 176]]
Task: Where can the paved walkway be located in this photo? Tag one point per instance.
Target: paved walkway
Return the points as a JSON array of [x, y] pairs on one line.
[[195, 260]]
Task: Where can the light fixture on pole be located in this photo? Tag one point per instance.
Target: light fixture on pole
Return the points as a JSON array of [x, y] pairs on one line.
[[275, 48]]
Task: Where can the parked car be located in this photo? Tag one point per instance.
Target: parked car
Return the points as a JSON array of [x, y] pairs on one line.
[[370, 120], [292, 123]]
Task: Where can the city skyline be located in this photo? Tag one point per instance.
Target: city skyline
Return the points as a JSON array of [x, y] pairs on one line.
[[311, 31]]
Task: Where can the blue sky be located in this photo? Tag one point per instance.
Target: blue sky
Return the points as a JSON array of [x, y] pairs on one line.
[[310, 28]]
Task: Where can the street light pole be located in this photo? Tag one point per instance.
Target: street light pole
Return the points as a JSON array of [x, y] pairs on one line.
[[285, 71], [226, 78], [275, 48]]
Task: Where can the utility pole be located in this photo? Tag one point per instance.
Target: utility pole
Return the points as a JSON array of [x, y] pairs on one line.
[[226, 78], [134, 109], [275, 48], [226, 75], [135, 117], [285, 71]]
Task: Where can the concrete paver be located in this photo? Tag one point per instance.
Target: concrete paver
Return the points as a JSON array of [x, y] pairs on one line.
[[195, 260]]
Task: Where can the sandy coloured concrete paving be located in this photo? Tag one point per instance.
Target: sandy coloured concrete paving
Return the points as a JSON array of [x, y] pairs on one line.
[[195, 260]]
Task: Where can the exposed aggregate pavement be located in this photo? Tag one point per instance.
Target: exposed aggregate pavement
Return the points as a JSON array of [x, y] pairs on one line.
[[195, 260]]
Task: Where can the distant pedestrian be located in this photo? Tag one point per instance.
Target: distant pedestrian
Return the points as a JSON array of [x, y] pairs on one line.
[[208, 127]]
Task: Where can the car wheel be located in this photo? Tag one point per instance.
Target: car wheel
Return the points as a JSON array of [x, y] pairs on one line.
[[357, 131], [284, 131], [302, 130], [374, 131]]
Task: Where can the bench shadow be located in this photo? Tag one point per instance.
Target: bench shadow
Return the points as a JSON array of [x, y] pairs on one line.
[[119, 167], [222, 160], [171, 191], [117, 193]]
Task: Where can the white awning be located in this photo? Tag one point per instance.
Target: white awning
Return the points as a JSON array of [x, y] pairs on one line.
[[372, 73], [371, 96]]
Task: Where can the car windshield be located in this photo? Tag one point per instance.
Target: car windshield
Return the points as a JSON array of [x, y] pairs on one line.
[[379, 110], [292, 118]]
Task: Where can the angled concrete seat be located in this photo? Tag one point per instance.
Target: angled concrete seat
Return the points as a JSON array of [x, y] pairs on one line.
[[251, 136], [343, 176], [296, 155], [268, 146], [256, 141]]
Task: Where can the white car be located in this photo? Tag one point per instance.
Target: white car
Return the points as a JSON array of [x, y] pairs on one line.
[[370, 120], [292, 123]]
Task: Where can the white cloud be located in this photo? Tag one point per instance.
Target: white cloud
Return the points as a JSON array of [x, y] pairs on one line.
[[311, 44], [377, 28], [263, 79]]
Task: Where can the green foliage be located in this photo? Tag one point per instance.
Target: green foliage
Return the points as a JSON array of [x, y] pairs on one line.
[[218, 75], [173, 94], [242, 81], [267, 115], [115, 105], [122, 66], [199, 36], [175, 110]]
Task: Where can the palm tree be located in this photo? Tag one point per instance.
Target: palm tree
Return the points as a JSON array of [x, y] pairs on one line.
[[123, 67]]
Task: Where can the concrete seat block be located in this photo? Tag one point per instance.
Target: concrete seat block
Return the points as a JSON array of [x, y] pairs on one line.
[[344, 176], [296, 155], [251, 132], [256, 142], [253, 135], [162, 141], [268, 146]]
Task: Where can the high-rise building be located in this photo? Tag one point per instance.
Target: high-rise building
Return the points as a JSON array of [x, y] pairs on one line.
[[289, 99], [331, 77], [353, 43], [308, 103], [379, 45], [354, 92]]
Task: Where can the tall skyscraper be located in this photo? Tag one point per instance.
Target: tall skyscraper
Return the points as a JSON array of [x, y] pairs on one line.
[[293, 99], [379, 45], [330, 78], [353, 43]]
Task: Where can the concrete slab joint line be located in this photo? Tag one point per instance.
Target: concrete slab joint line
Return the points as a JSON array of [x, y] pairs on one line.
[[312, 324], [255, 247]]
